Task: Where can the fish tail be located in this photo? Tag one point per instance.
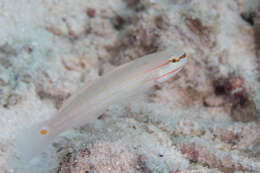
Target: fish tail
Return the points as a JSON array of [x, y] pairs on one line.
[[30, 142]]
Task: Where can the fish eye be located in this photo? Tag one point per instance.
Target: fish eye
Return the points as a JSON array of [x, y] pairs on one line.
[[174, 60]]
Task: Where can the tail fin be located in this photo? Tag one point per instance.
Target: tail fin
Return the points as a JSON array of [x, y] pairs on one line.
[[30, 142]]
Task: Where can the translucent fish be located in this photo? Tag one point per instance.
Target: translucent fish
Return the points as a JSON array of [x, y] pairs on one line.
[[88, 103]]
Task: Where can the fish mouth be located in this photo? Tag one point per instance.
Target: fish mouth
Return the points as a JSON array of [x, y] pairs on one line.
[[157, 78], [168, 73]]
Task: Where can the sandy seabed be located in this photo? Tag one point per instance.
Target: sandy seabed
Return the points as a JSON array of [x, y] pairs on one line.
[[206, 119]]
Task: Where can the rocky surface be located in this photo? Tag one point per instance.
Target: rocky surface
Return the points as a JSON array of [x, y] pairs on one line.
[[204, 120]]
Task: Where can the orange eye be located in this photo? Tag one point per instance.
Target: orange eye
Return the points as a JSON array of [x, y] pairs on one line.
[[174, 60], [43, 132]]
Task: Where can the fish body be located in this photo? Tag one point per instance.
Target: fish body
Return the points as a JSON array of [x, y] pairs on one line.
[[88, 103]]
